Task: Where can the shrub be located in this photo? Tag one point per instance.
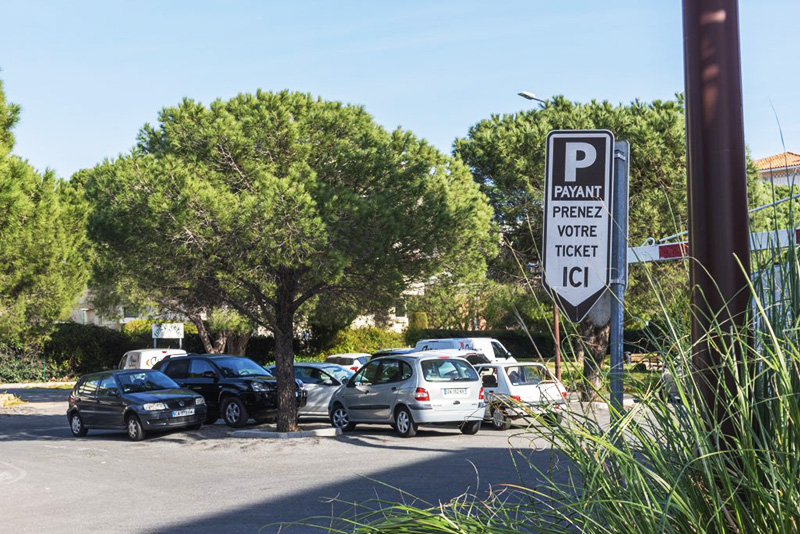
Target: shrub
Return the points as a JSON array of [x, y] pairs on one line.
[[365, 340]]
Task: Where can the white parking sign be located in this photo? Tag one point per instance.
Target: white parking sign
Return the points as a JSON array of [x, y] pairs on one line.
[[577, 221]]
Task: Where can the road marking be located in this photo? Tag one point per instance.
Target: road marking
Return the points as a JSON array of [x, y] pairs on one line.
[[10, 474]]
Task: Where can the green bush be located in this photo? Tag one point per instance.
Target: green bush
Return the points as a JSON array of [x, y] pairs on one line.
[[365, 340], [418, 321], [76, 349]]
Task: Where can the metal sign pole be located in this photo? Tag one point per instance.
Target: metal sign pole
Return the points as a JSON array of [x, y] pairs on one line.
[[619, 269]]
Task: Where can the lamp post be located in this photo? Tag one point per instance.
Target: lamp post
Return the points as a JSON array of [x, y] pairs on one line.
[[527, 95]]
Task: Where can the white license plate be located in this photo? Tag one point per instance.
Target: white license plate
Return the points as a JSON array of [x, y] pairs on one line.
[[450, 392], [183, 413]]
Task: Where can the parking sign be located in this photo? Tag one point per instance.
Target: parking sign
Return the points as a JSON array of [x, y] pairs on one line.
[[577, 221]]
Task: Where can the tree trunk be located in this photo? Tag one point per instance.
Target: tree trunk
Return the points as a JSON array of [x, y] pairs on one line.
[[284, 352], [594, 342], [205, 336], [238, 344]]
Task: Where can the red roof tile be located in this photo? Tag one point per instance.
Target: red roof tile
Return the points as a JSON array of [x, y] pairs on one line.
[[779, 161]]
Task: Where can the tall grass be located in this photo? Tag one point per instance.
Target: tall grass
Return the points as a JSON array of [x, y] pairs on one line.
[[666, 465]]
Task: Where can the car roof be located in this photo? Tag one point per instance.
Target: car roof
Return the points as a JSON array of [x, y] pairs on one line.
[[119, 371], [511, 364], [350, 355], [455, 353], [321, 365]]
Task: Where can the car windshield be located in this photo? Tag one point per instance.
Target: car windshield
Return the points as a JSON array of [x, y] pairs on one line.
[[139, 381], [527, 375], [233, 367], [342, 375], [447, 370]]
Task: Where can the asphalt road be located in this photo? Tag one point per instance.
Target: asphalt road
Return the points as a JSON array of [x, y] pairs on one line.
[[208, 481]]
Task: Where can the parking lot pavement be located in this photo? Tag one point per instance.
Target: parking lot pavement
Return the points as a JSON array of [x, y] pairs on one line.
[[208, 481]]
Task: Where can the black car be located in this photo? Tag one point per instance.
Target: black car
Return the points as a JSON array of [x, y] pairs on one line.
[[136, 400], [234, 387]]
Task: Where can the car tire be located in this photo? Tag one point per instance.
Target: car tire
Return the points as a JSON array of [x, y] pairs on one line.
[[404, 423], [234, 413], [134, 428], [76, 425], [499, 420], [340, 419], [470, 427]]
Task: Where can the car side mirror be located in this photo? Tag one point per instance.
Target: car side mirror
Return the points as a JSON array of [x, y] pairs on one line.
[[113, 393], [210, 374], [489, 381]]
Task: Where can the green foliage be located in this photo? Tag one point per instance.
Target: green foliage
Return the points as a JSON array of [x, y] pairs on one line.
[[418, 321], [366, 340], [43, 247], [76, 349]]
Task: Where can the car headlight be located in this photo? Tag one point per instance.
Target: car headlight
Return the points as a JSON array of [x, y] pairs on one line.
[[151, 406], [259, 386], [199, 401]]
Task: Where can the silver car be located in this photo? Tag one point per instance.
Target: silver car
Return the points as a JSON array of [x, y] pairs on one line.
[[410, 390], [320, 380]]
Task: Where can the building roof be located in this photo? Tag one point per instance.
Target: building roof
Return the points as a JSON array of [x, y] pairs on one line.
[[785, 160]]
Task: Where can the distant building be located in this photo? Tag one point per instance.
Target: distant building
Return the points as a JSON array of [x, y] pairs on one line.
[[780, 169]]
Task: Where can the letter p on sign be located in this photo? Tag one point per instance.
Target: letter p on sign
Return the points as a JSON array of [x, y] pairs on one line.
[[572, 163]]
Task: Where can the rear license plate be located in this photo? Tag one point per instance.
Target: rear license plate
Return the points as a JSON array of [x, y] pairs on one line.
[[183, 413], [454, 391]]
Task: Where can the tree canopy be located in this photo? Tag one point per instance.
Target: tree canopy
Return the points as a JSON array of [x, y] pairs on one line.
[[270, 201], [43, 249]]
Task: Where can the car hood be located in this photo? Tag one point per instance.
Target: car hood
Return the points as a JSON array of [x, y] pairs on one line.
[[160, 395]]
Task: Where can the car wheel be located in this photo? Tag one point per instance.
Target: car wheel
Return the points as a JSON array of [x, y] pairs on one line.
[[340, 419], [76, 425], [404, 423], [134, 428], [499, 420], [470, 427], [234, 413]]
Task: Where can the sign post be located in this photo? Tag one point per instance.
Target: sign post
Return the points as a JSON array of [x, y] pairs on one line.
[[167, 331], [619, 269], [577, 221]]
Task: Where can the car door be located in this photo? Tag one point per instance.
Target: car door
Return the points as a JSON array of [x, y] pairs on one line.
[[383, 391], [319, 385], [490, 378], [202, 378], [109, 403], [358, 396], [87, 400]]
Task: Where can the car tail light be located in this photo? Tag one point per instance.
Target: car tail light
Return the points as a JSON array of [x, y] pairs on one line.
[[422, 395], [516, 398], [480, 395]]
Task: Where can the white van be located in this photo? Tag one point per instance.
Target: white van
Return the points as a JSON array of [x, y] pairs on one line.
[[491, 348], [146, 358]]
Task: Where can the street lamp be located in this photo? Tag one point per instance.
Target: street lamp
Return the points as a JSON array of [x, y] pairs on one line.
[[530, 96], [556, 334]]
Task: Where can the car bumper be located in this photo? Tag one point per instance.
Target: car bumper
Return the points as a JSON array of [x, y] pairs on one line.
[[517, 409], [423, 414], [166, 419]]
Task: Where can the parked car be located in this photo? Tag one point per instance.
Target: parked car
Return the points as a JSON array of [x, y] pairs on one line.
[[146, 358], [472, 356], [491, 348], [393, 352], [513, 389], [409, 390], [352, 360], [138, 401], [234, 387], [320, 380]]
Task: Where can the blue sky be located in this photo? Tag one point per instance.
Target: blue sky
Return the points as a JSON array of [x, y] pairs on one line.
[[88, 75]]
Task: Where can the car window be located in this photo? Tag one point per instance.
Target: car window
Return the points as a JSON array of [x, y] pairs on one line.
[[368, 374], [89, 386], [342, 375], [389, 371], [499, 351], [177, 369], [139, 381], [311, 375], [198, 367], [233, 367], [446, 370], [405, 371], [107, 386], [526, 375]]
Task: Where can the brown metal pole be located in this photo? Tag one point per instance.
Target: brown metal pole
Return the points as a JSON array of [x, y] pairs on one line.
[[558, 341], [717, 185]]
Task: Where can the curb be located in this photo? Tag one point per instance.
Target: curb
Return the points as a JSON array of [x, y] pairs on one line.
[[266, 434]]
